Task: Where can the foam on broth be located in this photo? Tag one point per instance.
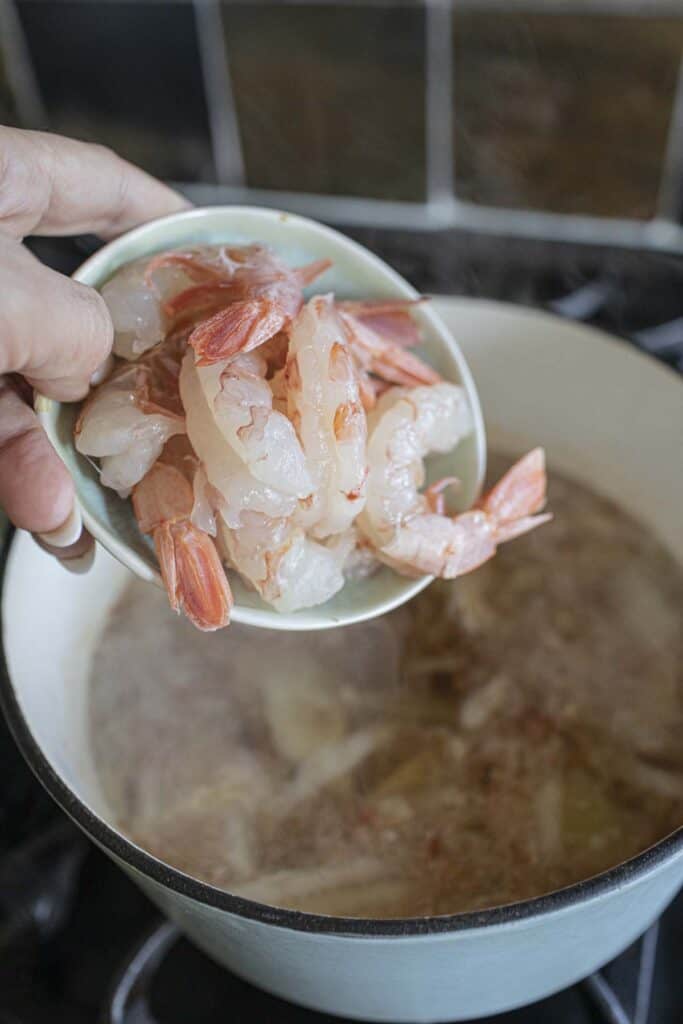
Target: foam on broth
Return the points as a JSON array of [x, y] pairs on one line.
[[499, 737]]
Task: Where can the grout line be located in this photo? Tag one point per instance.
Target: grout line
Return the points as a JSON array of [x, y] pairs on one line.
[[638, 8], [439, 99], [656, 235], [19, 68], [226, 143], [670, 197]]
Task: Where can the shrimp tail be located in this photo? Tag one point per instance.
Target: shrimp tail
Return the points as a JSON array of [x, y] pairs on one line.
[[238, 328], [397, 366], [308, 274], [191, 569], [194, 266], [194, 578], [390, 319], [520, 493], [516, 527]]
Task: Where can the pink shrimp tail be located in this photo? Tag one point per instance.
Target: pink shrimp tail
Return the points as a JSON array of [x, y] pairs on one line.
[[520, 492], [240, 327], [308, 274], [193, 575], [390, 319], [397, 366], [515, 501], [193, 265], [191, 569], [507, 511]]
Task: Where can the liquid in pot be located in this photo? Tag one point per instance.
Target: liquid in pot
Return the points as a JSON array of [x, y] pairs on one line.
[[499, 737]]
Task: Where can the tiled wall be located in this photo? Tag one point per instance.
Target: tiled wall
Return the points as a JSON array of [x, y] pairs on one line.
[[560, 107], [330, 98], [564, 112], [125, 74]]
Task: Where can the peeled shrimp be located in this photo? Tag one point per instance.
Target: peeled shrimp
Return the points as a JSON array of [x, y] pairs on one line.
[[277, 428], [126, 422], [241, 400], [236, 489], [255, 522], [257, 296], [190, 565], [287, 568], [399, 520], [324, 403], [406, 425], [135, 301], [448, 547]]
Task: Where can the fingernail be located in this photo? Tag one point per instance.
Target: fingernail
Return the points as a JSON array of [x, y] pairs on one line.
[[66, 534]]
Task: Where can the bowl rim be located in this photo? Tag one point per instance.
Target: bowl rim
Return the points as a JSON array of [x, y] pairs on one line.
[[98, 265], [666, 850]]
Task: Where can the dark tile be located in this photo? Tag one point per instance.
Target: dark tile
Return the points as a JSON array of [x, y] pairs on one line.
[[563, 112], [125, 74], [330, 99], [8, 110]]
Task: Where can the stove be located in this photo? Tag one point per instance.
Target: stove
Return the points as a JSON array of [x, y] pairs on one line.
[[79, 943]]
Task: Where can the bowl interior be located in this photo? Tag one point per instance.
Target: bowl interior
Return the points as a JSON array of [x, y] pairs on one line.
[[355, 274]]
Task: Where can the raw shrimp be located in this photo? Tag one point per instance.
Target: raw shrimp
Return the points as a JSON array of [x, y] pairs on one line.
[[324, 404], [255, 522], [258, 297], [406, 425], [242, 414], [128, 419], [241, 401], [135, 301], [354, 552], [447, 547], [236, 488], [398, 519], [379, 334], [190, 565], [288, 569]]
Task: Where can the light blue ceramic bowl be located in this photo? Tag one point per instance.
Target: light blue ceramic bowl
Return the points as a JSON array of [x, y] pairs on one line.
[[355, 274]]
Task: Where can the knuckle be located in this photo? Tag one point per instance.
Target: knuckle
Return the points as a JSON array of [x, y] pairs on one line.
[[25, 182], [97, 330]]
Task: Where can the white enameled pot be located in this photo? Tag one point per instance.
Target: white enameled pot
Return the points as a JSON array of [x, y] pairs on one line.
[[607, 416]]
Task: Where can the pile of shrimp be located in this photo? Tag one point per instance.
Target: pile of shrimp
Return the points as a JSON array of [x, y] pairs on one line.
[[282, 439]]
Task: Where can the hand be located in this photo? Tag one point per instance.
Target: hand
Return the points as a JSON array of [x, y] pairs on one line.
[[54, 332]]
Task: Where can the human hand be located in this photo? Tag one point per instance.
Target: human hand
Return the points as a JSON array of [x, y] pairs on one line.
[[55, 332]]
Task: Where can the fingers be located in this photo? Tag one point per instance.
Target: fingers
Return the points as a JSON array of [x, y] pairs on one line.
[[36, 490], [54, 331], [55, 186]]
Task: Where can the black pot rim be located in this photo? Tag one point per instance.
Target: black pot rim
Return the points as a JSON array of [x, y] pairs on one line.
[[117, 844]]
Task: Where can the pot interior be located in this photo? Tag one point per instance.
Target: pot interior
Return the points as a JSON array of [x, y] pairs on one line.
[[606, 416]]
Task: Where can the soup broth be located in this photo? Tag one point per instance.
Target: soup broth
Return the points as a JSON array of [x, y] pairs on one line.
[[499, 737]]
